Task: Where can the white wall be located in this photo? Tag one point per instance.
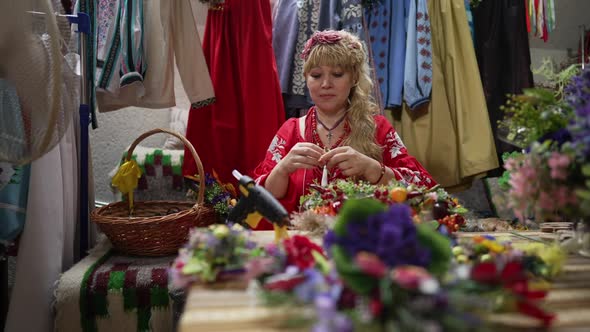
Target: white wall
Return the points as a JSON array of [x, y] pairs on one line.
[[119, 129], [564, 40]]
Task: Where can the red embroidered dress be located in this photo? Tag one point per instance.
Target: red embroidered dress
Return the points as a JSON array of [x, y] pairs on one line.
[[233, 133], [395, 156]]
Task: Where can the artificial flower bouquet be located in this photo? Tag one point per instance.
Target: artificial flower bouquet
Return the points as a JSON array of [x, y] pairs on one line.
[[550, 180], [322, 204], [220, 196], [213, 254], [381, 271]]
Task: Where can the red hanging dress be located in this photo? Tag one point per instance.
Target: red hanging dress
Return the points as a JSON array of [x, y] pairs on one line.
[[234, 132]]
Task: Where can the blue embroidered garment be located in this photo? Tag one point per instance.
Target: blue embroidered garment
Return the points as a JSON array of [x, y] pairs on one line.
[[418, 64], [387, 24]]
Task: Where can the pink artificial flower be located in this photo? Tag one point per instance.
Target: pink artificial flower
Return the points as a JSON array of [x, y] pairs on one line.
[[558, 160], [563, 196], [258, 266], [528, 170], [558, 164], [370, 264], [323, 37], [546, 202], [409, 276], [511, 164], [320, 37], [522, 182]]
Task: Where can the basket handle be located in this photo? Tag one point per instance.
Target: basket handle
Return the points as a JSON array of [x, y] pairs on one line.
[[190, 147]]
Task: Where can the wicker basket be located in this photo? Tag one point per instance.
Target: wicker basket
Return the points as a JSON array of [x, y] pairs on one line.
[[156, 228]]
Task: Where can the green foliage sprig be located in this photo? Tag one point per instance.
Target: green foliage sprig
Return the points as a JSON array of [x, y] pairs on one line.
[[533, 114], [538, 111], [558, 80]]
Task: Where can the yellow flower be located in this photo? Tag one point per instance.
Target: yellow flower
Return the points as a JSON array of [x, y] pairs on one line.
[[553, 255], [493, 246], [221, 231]]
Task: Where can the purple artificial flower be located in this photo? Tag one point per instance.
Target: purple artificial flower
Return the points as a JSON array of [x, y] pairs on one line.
[[559, 136], [329, 240], [212, 241], [391, 235], [578, 91], [325, 306], [578, 96], [223, 197], [250, 245], [307, 290], [342, 323], [209, 180], [329, 318], [580, 129]]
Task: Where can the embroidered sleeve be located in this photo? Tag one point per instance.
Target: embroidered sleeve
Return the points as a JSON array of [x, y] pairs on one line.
[[280, 145], [394, 144], [277, 149], [395, 155]]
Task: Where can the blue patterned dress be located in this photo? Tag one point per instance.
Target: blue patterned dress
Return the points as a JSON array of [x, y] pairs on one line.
[[387, 25]]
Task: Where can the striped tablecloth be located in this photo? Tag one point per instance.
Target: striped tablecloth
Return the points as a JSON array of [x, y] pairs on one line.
[[109, 292]]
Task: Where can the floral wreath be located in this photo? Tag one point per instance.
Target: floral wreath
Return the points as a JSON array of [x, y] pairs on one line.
[[327, 37]]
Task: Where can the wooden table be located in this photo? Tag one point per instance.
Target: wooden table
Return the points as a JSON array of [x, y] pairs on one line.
[[234, 310]]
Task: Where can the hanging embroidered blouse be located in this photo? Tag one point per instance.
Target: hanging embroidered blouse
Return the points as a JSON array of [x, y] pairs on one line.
[[170, 37], [418, 62], [387, 28]]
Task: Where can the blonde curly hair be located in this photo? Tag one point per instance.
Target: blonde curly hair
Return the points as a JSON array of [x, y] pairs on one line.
[[340, 48]]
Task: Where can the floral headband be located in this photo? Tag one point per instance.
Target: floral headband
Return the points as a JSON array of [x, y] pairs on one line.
[[327, 37]]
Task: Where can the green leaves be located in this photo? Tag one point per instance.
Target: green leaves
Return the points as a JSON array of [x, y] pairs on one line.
[[356, 210], [533, 114], [439, 246]]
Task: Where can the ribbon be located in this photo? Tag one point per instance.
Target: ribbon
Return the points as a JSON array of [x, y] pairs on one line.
[[126, 180]]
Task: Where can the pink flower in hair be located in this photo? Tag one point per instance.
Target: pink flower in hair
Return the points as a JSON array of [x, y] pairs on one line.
[[320, 37]]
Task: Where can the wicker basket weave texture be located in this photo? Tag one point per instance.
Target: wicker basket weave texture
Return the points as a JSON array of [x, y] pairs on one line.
[[155, 228]]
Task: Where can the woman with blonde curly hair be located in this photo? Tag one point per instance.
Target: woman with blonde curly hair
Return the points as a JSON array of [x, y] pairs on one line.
[[342, 135]]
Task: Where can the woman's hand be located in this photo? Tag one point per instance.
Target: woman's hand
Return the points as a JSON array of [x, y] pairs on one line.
[[302, 155], [352, 163]]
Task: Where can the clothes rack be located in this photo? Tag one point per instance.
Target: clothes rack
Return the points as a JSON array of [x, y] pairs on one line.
[[83, 21]]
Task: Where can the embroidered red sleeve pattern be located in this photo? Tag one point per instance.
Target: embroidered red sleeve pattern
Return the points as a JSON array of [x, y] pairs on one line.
[[278, 148], [395, 155]]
